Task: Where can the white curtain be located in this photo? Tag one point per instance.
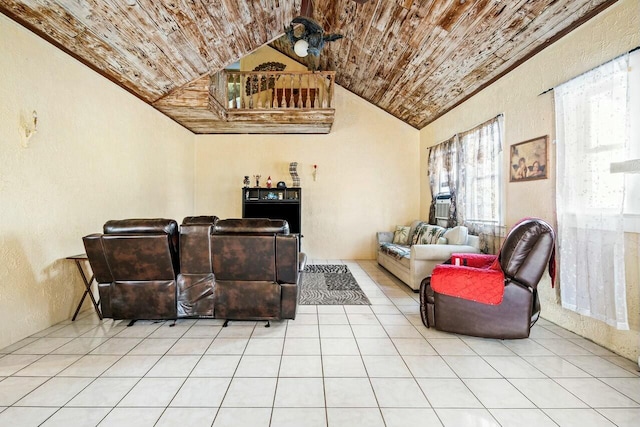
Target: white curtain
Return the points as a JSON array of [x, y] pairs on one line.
[[592, 130], [479, 179]]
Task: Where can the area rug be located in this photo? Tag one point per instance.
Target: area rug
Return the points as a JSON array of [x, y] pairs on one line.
[[330, 284]]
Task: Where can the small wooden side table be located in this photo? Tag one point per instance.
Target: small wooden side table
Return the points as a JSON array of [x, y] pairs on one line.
[[79, 260]]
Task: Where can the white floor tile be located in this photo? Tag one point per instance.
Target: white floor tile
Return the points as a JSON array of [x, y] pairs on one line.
[[404, 417], [335, 331], [117, 346], [354, 417], [301, 366], [12, 363], [363, 318], [349, 393], [223, 365], [401, 331], [339, 347], [546, 393], [487, 347], [278, 329], [76, 417], [302, 331], [131, 366], [527, 347], [227, 346], [25, 417], [343, 366], [301, 346], [48, 365], [153, 346], [236, 331], [466, 418], [188, 417], [596, 393], [300, 392], [42, 346], [167, 331], [138, 330], [562, 347], [90, 366], [497, 393], [578, 418], [369, 331], [258, 366], [471, 367], [627, 386], [250, 392], [173, 366], [295, 417], [243, 417], [13, 389], [264, 346], [451, 347], [202, 332], [429, 367], [131, 417], [522, 418], [80, 346], [333, 319], [448, 393], [598, 366], [152, 392], [201, 393], [376, 347], [398, 393], [104, 392], [386, 366], [555, 367], [513, 367], [56, 392], [622, 417], [414, 347]]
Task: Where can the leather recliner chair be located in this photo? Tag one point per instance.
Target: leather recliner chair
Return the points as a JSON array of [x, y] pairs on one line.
[[527, 250], [135, 262], [196, 280], [255, 262]]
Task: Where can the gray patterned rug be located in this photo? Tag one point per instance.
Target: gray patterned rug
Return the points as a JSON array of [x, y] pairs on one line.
[[330, 284]]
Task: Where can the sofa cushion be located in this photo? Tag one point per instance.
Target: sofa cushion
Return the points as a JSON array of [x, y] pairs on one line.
[[457, 235], [401, 235], [396, 251]]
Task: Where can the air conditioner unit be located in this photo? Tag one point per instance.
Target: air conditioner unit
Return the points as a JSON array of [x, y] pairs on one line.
[[443, 202]]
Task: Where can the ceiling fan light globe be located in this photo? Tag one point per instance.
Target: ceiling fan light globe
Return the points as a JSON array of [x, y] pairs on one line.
[[301, 48]]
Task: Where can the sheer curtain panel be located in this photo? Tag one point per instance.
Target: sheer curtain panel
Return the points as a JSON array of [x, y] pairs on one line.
[[592, 129]]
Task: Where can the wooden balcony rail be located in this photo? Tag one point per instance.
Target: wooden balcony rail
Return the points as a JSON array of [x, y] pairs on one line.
[[271, 90]]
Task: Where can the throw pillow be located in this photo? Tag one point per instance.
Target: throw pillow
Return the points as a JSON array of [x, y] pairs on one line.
[[442, 241], [401, 235], [457, 235], [433, 233], [419, 231]]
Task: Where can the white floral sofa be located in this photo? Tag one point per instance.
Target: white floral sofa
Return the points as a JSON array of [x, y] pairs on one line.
[[412, 252]]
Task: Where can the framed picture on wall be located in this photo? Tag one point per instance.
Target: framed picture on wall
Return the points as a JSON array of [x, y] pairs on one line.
[[529, 160]]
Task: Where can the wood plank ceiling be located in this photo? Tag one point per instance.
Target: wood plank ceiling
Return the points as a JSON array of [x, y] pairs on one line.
[[416, 59]]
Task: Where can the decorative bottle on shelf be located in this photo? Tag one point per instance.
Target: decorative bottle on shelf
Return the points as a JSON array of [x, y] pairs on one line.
[[246, 181], [269, 182]]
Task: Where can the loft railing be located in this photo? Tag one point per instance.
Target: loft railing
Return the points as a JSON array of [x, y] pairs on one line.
[[272, 90]]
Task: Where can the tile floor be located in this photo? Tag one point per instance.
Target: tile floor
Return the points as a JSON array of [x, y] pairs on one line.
[[333, 366]]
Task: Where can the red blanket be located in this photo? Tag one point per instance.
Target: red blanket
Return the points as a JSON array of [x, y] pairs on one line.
[[484, 285]]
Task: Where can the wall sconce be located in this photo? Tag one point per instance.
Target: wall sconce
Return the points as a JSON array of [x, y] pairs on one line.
[[28, 127], [315, 172]]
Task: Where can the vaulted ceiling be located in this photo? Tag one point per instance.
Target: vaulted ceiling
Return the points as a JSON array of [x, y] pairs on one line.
[[416, 59]]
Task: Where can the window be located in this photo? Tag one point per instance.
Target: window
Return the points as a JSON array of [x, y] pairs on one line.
[[594, 132], [469, 167]]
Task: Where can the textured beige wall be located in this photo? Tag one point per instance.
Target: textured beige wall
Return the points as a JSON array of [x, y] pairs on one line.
[[99, 154], [528, 115], [367, 176]]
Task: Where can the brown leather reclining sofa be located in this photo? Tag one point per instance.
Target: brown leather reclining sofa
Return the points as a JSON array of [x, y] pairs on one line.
[[234, 269]]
